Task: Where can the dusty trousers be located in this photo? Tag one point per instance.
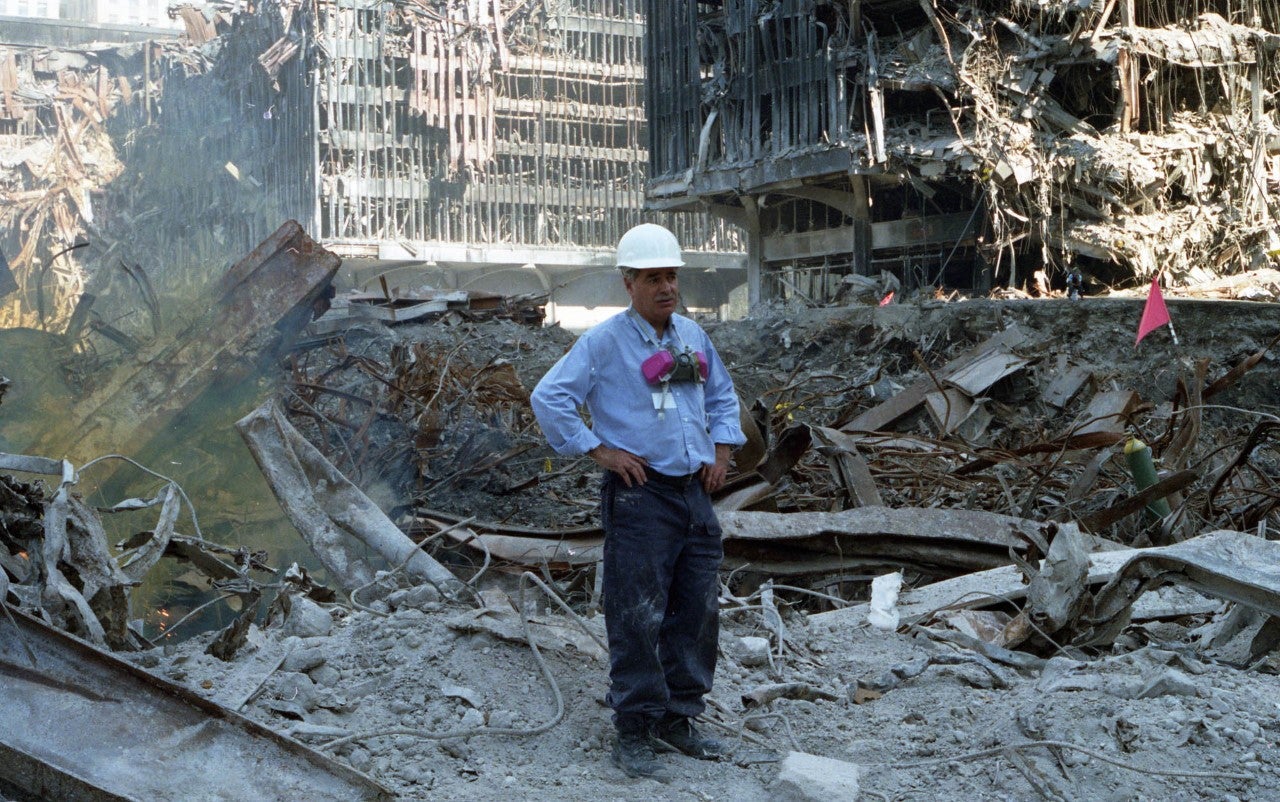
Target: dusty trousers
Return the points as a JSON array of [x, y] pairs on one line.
[[662, 556]]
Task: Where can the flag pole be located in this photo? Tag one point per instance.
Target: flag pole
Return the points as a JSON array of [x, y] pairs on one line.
[[1172, 331]]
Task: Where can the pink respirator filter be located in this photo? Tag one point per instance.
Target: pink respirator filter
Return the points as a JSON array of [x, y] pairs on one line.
[[660, 366]]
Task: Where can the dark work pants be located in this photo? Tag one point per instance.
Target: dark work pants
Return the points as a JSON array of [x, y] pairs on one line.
[[662, 558]]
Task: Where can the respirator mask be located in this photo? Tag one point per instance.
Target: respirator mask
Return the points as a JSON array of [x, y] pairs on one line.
[[668, 366]]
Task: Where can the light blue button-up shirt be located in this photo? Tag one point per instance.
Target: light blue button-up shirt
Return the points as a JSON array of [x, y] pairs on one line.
[[602, 372]]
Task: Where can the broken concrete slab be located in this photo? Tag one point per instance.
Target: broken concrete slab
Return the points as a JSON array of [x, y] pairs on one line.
[[1224, 564], [999, 586]]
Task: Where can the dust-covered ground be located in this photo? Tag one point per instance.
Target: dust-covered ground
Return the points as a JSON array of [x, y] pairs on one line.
[[447, 700], [1158, 720]]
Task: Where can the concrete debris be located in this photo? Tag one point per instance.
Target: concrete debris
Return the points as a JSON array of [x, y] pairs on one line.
[[1143, 674], [306, 619], [812, 778], [1228, 565], [751, 651]]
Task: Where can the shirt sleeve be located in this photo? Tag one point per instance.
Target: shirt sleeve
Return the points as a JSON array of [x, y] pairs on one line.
[[558, 396], [721, 400]]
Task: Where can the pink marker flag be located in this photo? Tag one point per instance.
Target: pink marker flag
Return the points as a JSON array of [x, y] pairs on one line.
[[887, 299], [1155, 314]]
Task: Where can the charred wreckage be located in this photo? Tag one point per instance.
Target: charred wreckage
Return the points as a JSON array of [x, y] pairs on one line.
[[991, 485], [971, 144]]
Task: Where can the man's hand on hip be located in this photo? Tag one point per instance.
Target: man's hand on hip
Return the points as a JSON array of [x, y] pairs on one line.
[[713, 475], [624, 463]]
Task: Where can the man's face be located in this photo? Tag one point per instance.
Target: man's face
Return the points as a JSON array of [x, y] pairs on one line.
[[654, 293]]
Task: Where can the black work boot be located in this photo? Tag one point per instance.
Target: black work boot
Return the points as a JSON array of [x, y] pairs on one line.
[[633, 753], [678, 734]]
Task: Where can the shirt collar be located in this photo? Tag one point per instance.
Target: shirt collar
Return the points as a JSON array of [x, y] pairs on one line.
[[647, 331]]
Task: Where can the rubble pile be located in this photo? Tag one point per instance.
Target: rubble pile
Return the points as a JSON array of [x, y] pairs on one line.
[[1037, 623], [1015, 410], [430, 404]]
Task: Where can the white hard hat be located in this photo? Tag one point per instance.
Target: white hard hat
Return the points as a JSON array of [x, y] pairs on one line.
[[648, 246]]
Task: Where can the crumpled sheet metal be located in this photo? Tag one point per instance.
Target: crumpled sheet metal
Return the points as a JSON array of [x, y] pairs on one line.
[[83, 724], [999, 586], [1224, 564]]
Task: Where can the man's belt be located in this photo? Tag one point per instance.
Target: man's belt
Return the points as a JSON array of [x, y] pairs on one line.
[[670, 481]]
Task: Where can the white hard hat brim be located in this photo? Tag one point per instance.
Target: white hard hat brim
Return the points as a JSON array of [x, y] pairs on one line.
[[650, 264]]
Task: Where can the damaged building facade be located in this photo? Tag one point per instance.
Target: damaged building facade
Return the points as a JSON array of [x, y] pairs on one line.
[[472, 145], [971, 144]]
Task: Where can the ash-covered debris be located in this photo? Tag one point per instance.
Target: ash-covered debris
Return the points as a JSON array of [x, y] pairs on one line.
[[1001, 407], [1064, 666], [432, 411]]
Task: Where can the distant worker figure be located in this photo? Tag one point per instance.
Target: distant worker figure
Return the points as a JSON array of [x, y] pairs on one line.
[[1075, 283], [664, 418]]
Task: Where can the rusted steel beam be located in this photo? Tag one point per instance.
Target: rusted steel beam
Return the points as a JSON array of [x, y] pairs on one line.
[[1128, 505], [262, 301]]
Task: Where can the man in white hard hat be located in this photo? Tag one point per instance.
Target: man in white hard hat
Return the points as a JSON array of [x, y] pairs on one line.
[[664, 418]]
